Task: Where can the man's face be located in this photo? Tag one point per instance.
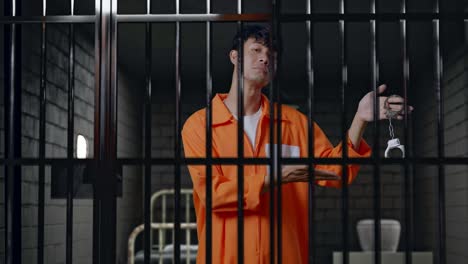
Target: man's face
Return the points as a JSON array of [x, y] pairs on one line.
[[256, 62]]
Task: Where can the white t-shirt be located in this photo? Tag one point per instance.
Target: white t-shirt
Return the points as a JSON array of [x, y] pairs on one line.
[[250, 125]]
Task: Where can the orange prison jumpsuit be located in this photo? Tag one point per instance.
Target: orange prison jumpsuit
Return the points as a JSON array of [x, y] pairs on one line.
[[256, 205]]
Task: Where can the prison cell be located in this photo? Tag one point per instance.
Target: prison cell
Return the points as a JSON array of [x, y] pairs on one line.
[[103, 168]]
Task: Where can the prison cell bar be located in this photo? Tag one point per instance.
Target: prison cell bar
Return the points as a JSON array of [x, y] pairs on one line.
[[277, 158], [113, 127], [12, 189], [366, 17], [177, 183], [42, 113], [441, 243], [208, 140], [344, 166], [162, 236], [97, 124], [258, 17], [375, 153], [407, 184], [147, 183], [112, 144], [236, 161], [70, 130], [240, 138], [104, 201], [271, 161], [316, 17], [187, 234], [310, 134]]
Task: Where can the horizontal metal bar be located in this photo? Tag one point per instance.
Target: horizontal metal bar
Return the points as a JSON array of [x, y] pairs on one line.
[[193, 17], [260, 17], [47, 19], [366, 17], [247, 161]]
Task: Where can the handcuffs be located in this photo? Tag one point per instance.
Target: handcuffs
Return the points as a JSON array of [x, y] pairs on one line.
[[393, 143]]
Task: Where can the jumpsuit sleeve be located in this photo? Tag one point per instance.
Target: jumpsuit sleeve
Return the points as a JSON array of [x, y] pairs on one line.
[[324, 149], [224, 187]]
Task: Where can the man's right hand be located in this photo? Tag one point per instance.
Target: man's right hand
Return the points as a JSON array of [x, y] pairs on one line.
[[299, 173]]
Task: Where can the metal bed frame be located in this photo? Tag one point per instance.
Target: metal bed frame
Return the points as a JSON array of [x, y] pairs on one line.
[[161, 251]]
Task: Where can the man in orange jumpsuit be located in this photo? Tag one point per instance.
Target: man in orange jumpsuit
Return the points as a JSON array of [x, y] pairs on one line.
[[257, 50]]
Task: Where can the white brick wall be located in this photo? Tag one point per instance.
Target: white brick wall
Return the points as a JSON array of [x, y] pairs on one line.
[[129, 143], [456, 145]]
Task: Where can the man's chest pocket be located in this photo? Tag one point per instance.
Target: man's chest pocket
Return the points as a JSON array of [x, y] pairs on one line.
[[287, 151]]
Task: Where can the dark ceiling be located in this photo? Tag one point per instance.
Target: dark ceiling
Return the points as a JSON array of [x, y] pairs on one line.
[[293, 76], [327, 52]]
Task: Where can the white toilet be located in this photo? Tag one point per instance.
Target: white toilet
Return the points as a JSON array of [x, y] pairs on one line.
[[390, 234]]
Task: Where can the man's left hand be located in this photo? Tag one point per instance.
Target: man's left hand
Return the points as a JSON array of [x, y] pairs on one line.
[[365, 110]]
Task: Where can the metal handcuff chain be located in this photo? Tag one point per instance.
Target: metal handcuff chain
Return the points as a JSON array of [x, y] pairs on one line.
[[393, 143]]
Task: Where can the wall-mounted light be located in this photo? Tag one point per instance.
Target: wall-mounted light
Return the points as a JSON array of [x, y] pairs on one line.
[[81, 147], [83, 175]]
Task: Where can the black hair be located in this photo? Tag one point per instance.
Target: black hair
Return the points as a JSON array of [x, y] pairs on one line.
[[258, 32]]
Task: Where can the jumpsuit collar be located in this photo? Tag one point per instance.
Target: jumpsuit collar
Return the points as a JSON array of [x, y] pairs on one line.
[[221, 113]]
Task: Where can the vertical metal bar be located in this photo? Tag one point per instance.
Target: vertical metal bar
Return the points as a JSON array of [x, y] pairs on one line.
[[163, 236], [376, 156], [71, 125], [12, 74], [441, 238], [310, 129], [42, 113], [162, 232], [112, 143], [344, 178], [187, 231], [209, 122], [271, 163], [113, 98], [177, 182], [147, 190], [407, 185], [105, 185], [277, 153], [414, 134], [97, 128], [240, 139], [189, 243], [277, 159]]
